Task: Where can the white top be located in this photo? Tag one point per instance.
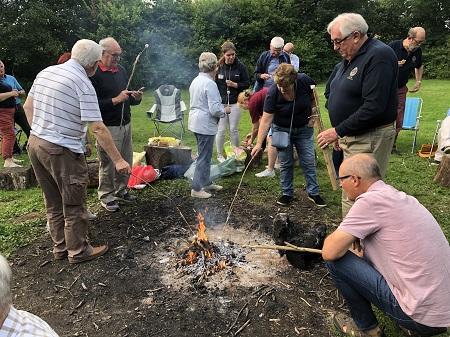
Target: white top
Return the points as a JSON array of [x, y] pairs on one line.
[[64, 100], [295, 61], [206, 105], [21, 323]]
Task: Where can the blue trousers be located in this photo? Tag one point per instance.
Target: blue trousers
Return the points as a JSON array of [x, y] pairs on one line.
[[205, 144], [302, 139], [362, 285]]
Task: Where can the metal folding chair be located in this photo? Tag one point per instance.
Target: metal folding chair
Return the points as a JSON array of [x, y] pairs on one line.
[[411, 119], [167, 112]]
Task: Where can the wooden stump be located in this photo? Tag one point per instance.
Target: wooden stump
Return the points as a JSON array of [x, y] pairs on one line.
[[442, 176], [92, 172], [256, 161], [160, 156], [17, 178]]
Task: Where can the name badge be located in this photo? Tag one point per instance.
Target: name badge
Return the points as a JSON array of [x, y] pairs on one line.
[[220, 76]]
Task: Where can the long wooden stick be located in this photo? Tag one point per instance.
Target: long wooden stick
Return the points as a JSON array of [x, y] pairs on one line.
[[326, 151], [293, 248]]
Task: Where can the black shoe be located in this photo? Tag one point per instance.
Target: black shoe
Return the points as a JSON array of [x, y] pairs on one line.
[[394, 150], [127, 197], [111, 206], [285, 200], [317, 199]]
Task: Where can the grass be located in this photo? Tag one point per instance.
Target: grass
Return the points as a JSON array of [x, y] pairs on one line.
[[22, 212]]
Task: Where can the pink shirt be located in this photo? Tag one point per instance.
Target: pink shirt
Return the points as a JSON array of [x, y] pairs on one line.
[[405, 244]]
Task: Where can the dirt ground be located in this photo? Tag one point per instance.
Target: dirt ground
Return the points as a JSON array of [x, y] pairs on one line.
[[135, 289]]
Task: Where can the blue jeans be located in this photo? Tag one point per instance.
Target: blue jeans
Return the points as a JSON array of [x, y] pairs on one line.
[[205, 144], [302, 139], [362, 285]]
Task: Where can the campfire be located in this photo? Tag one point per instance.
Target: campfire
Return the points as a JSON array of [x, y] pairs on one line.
[[202, 258]]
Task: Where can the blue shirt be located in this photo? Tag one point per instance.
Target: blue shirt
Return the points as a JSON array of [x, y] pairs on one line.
[[12, 82]]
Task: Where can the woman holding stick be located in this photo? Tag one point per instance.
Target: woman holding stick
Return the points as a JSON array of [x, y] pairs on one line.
[[7, 109], [231, 78], [288, 108], [206, 110]]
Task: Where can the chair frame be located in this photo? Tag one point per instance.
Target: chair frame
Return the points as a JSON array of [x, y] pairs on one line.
[[412, 116]]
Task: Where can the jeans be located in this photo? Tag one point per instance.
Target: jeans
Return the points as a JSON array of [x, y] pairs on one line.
[[362, 285], [205, 144], [302, 139]]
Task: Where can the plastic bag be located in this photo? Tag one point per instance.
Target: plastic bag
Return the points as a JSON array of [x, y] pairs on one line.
[[164, 141], [226, 168]]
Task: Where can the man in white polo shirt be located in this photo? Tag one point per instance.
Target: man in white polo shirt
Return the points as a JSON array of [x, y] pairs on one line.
[[59, 107], [403, 264]]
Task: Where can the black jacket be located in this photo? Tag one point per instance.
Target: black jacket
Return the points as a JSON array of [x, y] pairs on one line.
[[263, 63], [236, 72]]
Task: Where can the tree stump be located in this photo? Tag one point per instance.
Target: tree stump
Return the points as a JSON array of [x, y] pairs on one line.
[[160, 156], [17, 178], [92, 172], [256, 161], [442, 176]]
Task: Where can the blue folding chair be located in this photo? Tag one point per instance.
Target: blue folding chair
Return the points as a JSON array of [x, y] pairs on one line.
[[411, 119]]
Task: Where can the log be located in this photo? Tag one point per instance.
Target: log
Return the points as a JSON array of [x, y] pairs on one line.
[[256, 161], [160, 156], [92, 172], [442, 176], [17, 178]]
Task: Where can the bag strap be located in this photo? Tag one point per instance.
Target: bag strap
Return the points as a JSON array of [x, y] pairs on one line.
[[293, 108]]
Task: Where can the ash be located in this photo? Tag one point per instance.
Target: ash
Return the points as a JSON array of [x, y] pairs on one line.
[[225, 254]]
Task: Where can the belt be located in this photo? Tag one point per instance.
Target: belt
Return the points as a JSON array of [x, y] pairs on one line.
[[383, 126]]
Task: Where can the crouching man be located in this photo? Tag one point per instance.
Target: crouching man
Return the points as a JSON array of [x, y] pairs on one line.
[[59, 106], [404, 268]]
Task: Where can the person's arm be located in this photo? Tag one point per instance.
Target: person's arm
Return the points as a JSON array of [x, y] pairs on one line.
[[9, 94], [260, 75], [336, 245], [419, 73], [104, 139], [264, 126], [215, 106], [28, 108]]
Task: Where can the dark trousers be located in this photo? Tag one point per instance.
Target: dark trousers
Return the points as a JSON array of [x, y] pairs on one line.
[[20, 119]]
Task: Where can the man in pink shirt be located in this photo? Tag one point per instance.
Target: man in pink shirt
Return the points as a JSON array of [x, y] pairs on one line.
[[401, 258]]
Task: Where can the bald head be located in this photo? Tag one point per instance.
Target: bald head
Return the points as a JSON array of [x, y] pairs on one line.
[[112, 52], [363, 165], [289, 47], [418, 33]]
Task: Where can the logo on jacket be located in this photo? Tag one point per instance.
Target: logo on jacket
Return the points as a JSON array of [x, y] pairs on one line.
[[414, 59], [352, 73]]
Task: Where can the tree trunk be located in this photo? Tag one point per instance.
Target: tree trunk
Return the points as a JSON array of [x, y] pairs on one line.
[[160, 156], [17, 178], [92, 172], [443, 174]]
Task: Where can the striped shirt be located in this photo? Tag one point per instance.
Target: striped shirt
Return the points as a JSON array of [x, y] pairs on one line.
[[20, 323], [64, 100]]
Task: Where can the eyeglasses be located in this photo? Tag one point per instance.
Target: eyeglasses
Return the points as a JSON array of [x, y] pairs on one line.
[[116, 56], [338, 42], [347, 176], [417, 42]]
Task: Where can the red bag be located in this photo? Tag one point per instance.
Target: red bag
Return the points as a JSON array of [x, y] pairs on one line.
[[141, 175]]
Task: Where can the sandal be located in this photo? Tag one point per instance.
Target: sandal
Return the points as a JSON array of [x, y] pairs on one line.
[[347, 326]]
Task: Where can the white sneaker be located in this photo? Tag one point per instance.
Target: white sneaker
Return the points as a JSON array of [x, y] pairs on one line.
[[220, 159], [11, 163], [202, 194], [213, 187], [17, 161], [91, 216], [266, 173]]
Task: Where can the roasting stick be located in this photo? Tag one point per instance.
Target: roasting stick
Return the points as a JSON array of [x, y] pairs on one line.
[[290, 247], [326, 151], [166, 196]]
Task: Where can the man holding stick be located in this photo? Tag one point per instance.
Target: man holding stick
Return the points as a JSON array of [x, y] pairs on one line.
[[362, 98], [60, 104], [114, 98], [403, 264]]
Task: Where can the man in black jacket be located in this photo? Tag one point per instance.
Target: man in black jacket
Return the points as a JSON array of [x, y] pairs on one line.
[[114, 98], [268, 62], [362, 98]]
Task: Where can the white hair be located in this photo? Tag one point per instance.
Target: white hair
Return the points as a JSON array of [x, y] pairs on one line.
[[107, 42], [5, 283], [86, 52], [277, 42], [207, 62], [349, 23]]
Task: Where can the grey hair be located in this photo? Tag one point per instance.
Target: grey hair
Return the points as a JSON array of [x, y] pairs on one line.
[[277, 42], [349, 23], [86, 52], [5, 283], [107, 42], [207, 62], [364, 165]]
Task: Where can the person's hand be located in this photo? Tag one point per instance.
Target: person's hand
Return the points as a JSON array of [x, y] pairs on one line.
[[137, 95], [327, 137], [336, 146], [88, 151], [123, 167], [416, 87], [256, 149], [231, 84], [357, 248], [15, 93], [227, 109], [123, 96], [401, 62], [265, 76]]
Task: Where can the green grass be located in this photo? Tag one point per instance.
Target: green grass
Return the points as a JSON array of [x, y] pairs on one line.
[[22, 212]]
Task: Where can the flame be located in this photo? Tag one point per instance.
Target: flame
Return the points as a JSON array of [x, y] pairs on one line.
[[191, 257], [201, 234], [221, 265]]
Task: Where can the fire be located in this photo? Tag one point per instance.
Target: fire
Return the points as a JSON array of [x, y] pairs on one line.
[[201, 234]]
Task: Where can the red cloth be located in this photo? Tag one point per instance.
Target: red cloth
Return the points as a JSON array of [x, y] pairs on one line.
[[256, 104], [104, 68], [7, 131], [142, 174]]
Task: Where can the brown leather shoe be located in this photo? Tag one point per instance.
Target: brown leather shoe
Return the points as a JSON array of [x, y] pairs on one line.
[[60, 255], [89, 254]]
